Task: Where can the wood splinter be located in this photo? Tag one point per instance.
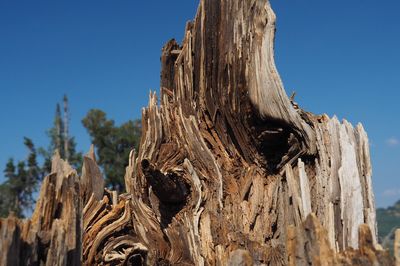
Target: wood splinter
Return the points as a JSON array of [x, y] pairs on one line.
[[176, 52]]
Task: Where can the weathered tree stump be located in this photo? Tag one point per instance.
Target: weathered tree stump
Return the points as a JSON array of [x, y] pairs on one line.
[[53, 236], [230, 170]]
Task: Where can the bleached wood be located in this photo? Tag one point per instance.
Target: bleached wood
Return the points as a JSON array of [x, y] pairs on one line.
[[92, 181], [304, 189]]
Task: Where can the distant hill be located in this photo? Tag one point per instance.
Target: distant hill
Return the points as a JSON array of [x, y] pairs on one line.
[[388, 221]]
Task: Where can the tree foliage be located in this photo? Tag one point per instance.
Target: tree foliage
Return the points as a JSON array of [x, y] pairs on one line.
[[113, 144], [22, 179], [388, 220], [61, 141], [16, 193]]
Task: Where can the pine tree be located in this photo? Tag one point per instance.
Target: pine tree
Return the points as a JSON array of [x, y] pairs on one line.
[[113, 144], [22, 179], [33, 175], [66, 129], [6, 194], [21, 183], [61, 141]]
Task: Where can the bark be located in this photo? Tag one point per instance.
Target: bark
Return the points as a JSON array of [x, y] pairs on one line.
[[230, 170]]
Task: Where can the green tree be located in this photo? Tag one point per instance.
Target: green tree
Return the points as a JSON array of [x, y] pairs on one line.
[[113, 144], [20, 184], [7, 203], [22, 180], [61, 141], [388, 220]]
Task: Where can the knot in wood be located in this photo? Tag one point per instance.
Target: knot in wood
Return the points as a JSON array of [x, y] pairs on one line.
[[170, 188]]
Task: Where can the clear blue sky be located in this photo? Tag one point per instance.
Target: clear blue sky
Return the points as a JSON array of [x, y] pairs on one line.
[[341, 57]]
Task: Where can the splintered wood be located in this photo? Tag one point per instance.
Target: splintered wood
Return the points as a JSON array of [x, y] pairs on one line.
[[53, 235], [230, 170]]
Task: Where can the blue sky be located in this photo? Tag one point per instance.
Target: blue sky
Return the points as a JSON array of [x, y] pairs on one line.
[[341, 57]]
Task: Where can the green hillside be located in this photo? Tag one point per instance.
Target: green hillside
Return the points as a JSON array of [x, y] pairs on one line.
[[388, 221]]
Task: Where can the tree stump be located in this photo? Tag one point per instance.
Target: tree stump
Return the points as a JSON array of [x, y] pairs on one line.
[[230, 170], [53, 235]]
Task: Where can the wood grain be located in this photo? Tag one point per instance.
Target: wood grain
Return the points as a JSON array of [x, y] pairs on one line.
[[230, 170]]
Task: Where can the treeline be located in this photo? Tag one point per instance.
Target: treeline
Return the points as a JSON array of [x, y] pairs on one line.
[[388, 220], [112, 142]]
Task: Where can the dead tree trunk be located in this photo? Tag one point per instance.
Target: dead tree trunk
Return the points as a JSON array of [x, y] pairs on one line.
[[230, 170], [53, 235]]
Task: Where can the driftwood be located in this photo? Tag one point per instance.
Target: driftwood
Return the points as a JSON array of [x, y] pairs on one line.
[[230, 170]]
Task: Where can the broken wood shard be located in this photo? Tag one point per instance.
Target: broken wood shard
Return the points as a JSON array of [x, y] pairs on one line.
[[309, 245], [92, 181], [53, 235], [230, 170]]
